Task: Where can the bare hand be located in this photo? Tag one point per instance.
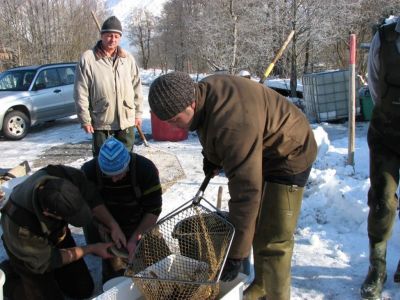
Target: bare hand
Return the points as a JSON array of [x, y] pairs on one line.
[[118, 236], [138, 122], [88, 128], [101, 249], [131, 246]]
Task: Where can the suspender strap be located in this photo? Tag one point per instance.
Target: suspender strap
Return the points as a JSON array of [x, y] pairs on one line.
[[133, 169]]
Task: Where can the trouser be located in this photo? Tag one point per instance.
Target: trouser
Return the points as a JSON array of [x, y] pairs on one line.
[[273, 241], [126, 136], [382, 199], [73, 280]]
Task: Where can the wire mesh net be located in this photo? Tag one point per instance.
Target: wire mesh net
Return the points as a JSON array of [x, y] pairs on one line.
[[183, 255]]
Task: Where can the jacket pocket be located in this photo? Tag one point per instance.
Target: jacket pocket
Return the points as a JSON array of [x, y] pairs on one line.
[[100, 105], [128, 105], [99, 113], [129, 109]]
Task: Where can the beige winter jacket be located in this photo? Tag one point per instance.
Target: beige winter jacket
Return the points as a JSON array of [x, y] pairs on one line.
[[251, 131], [108, 95]]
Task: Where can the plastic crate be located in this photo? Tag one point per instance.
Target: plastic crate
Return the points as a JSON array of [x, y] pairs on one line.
[[326, 95]]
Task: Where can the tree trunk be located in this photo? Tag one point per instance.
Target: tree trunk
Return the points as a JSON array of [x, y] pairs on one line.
[[293, 65]]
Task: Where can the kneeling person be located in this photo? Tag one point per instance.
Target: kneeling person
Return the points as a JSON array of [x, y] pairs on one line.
[[44, 261], [130, 187]]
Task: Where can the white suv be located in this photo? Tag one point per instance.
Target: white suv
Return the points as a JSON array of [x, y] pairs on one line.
[[34, 94]]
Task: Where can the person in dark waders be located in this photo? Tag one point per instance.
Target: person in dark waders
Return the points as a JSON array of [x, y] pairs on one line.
[[266, 148], [44, 261], [384, 152]]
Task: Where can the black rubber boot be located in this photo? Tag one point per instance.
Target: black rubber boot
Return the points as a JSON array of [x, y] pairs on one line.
[[396, 277], [373, 284]]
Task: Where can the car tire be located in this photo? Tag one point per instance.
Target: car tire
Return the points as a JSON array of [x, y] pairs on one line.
[[16, 125]]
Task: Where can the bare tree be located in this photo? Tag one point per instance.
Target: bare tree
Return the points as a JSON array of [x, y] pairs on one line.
[[140, 33], [45, 31], [206, 35]]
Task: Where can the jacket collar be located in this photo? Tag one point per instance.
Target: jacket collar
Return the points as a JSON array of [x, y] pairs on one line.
[[100, 53], [199, 113]]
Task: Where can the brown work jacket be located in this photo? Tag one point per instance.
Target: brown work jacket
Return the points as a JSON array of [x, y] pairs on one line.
[[251, 131]]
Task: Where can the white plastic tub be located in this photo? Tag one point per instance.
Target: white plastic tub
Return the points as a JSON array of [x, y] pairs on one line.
[[124, 289], [2, 281]]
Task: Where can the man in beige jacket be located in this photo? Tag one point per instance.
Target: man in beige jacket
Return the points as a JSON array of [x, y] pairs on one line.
[[266, 147], [108, 90]]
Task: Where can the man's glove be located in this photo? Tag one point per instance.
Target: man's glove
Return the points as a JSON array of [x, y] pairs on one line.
[[209, 167], [231, 269]]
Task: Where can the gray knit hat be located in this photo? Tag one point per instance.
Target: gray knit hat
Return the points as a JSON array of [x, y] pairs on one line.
[[112, 24], [170, 94]]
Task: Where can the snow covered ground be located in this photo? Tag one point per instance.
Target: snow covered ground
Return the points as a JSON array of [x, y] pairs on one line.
[[330, 257]]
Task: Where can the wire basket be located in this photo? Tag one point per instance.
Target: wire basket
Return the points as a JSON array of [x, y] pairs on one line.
[[182, 257]]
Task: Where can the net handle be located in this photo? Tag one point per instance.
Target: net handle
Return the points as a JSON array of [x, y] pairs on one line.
[[200, 192]]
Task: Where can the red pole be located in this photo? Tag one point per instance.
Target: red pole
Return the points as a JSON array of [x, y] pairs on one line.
[[352, 99]]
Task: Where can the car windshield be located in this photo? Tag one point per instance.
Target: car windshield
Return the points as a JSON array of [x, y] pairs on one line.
[[16, 80]]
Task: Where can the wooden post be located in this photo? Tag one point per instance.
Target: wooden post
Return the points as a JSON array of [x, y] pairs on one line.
[[352, 100], [96, 21], [219, 198], [277, 56]]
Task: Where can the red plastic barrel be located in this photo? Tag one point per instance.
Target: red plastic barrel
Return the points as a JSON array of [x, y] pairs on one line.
[[163, 131]]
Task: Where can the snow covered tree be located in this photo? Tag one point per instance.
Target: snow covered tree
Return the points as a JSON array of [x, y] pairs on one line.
[[44, 31], [140, 33]]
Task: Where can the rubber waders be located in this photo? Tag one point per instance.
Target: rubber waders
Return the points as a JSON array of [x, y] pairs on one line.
[[273, 242], [376, 277]]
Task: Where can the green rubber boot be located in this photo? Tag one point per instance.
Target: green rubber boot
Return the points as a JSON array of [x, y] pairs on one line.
[[254, 292], [373, 284], [273, 242]]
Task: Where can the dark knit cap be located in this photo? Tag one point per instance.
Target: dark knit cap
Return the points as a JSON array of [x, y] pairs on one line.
[[62, 198], [112, 24], [170, 94]]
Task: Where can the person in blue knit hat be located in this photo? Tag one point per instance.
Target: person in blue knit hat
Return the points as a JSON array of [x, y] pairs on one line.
[[130, 187]]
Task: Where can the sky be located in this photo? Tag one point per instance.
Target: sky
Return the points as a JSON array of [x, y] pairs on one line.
[[330, 257]]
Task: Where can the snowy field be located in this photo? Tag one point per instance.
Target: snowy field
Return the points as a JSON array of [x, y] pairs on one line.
[[330, 257]]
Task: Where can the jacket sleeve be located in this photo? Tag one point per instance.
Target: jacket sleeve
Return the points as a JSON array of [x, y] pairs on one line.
[[81, 92], [242, 163], [373, 68], [137, 88]]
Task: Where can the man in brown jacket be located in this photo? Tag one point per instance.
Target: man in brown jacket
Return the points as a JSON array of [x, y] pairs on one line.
[[265, 146]]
